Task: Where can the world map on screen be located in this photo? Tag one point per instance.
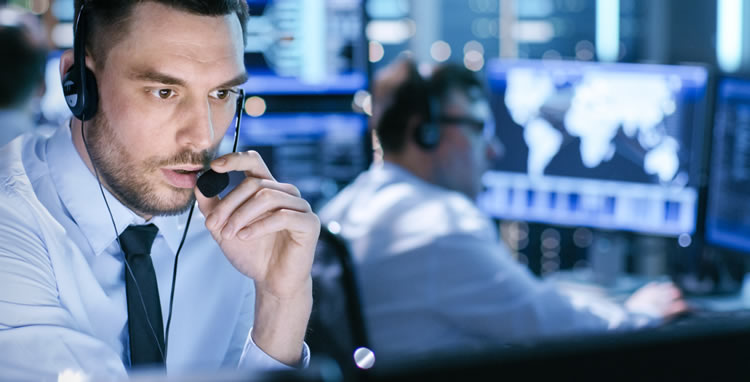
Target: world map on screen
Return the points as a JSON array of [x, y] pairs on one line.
[[595, 108]]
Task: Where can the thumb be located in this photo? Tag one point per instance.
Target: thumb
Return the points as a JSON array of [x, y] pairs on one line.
[[206, 205]]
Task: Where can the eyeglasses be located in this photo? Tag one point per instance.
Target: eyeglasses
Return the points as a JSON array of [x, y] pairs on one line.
[[474, 124], [227, 105]]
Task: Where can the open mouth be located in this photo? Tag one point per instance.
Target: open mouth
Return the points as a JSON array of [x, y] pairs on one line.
[[181, 177], [185, 171]]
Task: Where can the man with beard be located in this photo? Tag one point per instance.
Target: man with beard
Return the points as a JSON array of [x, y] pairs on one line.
[[92, 218]]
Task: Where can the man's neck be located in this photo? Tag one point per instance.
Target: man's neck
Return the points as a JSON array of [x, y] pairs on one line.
[[417, 163]]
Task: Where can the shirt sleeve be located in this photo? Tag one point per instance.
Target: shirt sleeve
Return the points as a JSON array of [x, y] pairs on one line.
[[253, 358], [38, 337], [485, 293]]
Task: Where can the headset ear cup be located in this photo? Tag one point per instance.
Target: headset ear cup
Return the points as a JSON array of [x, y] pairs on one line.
[[71, 84], [81, 105], [428, 133], [92, 96], [428, 136]]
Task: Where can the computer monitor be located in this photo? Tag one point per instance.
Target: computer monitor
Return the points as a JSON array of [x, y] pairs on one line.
[[306, 47], [727, 211], [52, 106], [319, 153], [612, 146]]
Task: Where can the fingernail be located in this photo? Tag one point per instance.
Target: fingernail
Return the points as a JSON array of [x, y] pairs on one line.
[[211, 221], [227, 231], [220, 162], [244, 234]]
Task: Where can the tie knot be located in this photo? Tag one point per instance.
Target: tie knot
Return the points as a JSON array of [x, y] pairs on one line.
[[137, 239]]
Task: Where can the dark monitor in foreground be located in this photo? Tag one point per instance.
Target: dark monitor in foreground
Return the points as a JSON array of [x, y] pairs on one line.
[[612, 146], [728, 211], [319, 153]]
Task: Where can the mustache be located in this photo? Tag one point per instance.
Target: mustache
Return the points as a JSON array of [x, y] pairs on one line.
[[187, 157]]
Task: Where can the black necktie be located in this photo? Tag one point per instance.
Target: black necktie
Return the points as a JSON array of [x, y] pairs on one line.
[[144, 309]]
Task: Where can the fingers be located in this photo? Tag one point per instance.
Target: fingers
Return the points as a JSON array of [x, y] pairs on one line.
[[217, 211], [206, 205], [677, 307], [293, 221], [674, 310], [249, 161], [664, 288], [251, 200], [670, 299], [672, 290], [663, 299], [245, 190], [264, 201]]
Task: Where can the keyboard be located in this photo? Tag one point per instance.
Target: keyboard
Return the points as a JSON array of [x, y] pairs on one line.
[[707, 320]]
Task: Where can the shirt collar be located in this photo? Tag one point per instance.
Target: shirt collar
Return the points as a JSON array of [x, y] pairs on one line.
[[79, 191], [395, 172]]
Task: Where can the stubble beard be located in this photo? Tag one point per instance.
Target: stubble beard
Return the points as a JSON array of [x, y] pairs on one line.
[[135, 183]]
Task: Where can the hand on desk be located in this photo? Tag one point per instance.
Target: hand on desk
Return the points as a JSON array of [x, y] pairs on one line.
[[657, 299]]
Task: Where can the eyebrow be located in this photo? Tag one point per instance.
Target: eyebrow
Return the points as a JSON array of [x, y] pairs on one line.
[[149, 75], [237, 80]]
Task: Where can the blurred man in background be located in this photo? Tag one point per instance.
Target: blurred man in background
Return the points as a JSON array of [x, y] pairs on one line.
[[434, 276], [24, 51]]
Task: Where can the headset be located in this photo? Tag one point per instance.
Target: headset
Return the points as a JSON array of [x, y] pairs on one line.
[[79, 83], [81, 95], [427, 135]]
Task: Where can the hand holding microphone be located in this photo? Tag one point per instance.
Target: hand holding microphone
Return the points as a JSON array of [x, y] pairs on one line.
[[212, 183], [268, 232], [263, 226]]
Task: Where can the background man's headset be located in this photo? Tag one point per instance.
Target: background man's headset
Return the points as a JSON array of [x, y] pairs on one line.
[[427, 135], [82, 97]]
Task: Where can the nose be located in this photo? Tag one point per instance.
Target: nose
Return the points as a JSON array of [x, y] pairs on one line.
[[197, 132]]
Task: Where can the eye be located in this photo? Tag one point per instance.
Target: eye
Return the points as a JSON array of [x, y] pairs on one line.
[[163, 93], [221, 93]]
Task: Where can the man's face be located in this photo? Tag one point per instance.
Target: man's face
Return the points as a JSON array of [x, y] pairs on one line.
[[165, 103], [467, 145]]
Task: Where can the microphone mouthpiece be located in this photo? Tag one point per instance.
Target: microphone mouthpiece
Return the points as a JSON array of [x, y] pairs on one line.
[[212, 183]]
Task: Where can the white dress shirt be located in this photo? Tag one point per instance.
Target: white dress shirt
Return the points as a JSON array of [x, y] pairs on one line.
[[62, 285], [435, 278]]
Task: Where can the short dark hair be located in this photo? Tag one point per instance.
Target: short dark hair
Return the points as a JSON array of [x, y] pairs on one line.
[[112, 16], [449, 77], [412, 98], [22, 71], [398, 103]]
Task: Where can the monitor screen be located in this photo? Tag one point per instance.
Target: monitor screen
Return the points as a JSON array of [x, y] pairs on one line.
[[53, 108], [728, 213], [613, 146], [319, 153], [306, 47]]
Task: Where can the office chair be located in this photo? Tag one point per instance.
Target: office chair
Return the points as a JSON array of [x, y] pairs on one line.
[[336, 327]]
